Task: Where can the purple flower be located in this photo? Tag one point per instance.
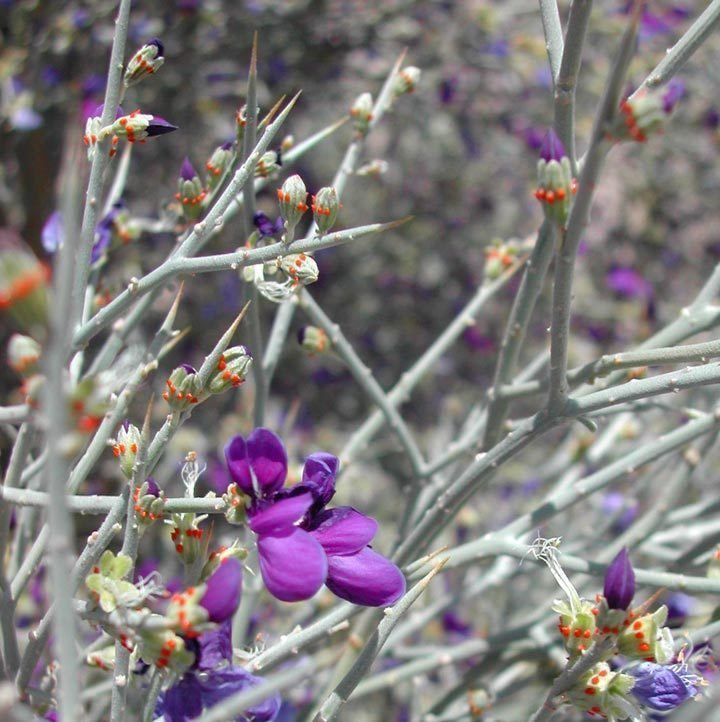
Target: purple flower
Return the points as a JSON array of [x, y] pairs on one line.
[[104, 230], [268, 228], [679, 608], [628, 283], [159, 126], [212, 679], [712, 119], [619, 588], [52, 234], [187, 170], [674, 91], [292, 524], [222, 594], [158, 44], [660, 688], [152, 488], [552, 147]]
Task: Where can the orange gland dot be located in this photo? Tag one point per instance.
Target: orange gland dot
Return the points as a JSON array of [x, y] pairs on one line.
[[589, 690]]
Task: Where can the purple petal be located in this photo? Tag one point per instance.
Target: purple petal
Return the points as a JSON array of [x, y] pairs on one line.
[[52, 234], [365, 578], [238, 464], [675, 90], [293, 567], [619, 587], [227, 681], [183, 701], [159, 126], [158, 44], [215, 646], [224, 587], [552, 147], [658, 687], [152, 488], [268, 459], [343, 530], [319, 475], [280, 516], [187, 170]]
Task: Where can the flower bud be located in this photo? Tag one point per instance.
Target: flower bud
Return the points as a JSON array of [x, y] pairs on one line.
[[645, 112], [187, 537], [182, 388], [149, 502], [190, 191], [107, 586], [619, 588], [644, 637], [165, 650], [269, 163], [300, 268], [232, 368], [576, 625], [314, 340], [555, 181], [234, 499], [218, 163], [23, 354], [103, 658], [602, 692], [292, 198], [146, 61], [217, 557], [325, 206], [498, 258], [362, 113], [126, 448], [406, 80], [89, 401], [24, 287]]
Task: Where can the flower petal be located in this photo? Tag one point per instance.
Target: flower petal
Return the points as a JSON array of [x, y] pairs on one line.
[[365, 578], [238, 463], [293, 567], [182, 701], [223, 589], [215, 646], [279, 517], [319, 475], [343, 530], [268, 459], [658, 687], [227, 681]]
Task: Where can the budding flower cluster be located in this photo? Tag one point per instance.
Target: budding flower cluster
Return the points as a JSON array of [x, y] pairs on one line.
[[292, 198], [190, 191], [644, 113], [126, 448], [300, 268], [218, 163], [555, 182], [146, 61], [325, 207], [362, 113], [407, 80], [314, 340], [232, 368]]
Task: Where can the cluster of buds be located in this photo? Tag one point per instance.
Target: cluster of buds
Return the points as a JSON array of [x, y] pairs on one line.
[[149, 502], [300, 269], [107, 584], [187, 537], [116, 228], [499, 256], [126, 446], [361, 112], [183, 388], [644, 113], [555, 182], [269, 163], [292, 198], [218, 163], [89, 402], [406, 80], [166, 650], [191, 193], [602, 692], [325, 207], [232, 368], [146, 61], [313, 339], [23, 287], [23, 355]]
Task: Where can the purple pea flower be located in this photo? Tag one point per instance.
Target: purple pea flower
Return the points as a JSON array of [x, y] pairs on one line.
[[292, 524], [187, 170], [223, 590], [552, 147], [159, 126], [211, 679], [619, 588], [628, 283], [268, 228], [660, 688]]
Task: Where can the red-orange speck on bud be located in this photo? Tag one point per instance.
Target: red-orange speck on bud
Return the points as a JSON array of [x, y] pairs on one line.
[[179, 548], [644, 647], [589, 690], [221, 364]]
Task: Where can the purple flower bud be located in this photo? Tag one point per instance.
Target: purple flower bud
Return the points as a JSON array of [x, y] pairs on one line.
[[158, 44], [188, 368], [222, 594], [152, 488], [267, 227], [159, 126], [100, 108], [619, 588], [227, 146], [552, 147], [52, 234], [675, 90], [660, 688], [187, 171]]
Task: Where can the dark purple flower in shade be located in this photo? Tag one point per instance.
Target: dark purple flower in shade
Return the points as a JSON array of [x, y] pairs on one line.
[[158, 44], [212, 679], [152, 488], [552, 147], [660, 688], [268, 228], [223, 590], [623, 511], [104, 230], [188, 368], [454, 624], [187, 170], [619, 588], [712, 119], [159, 126], [301, 545], [679, 607], [628, 283], [674, 91]]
